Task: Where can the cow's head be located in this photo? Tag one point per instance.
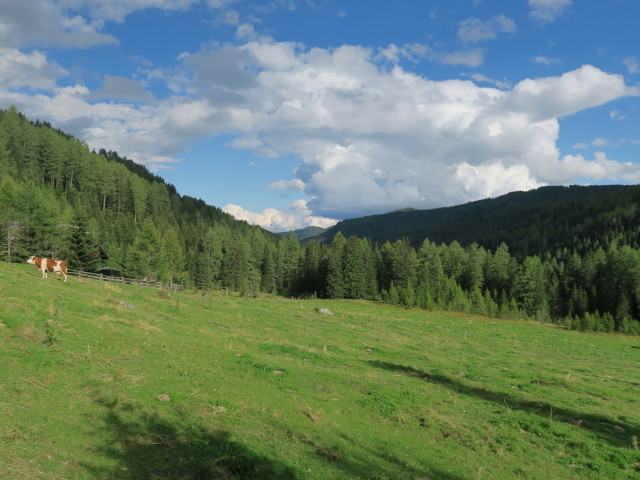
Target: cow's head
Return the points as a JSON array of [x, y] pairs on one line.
[[32, 260]]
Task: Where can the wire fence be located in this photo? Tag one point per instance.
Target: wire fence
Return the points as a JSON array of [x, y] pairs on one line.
[[129, 281]]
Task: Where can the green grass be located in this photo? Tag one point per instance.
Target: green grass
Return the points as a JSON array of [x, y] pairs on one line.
[[192, 386]]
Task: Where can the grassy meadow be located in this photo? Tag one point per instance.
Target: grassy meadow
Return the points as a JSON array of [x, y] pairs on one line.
[[101, 380]]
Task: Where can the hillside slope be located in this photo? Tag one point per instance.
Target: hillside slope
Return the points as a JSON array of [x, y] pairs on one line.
[[61, 200], [108, 381], [531, 223]]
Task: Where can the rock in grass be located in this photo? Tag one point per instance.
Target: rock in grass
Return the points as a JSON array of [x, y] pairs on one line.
[[325, 311], [125, 304]]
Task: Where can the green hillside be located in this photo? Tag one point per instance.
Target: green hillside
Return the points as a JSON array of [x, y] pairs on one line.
[[547, 219], [114, 381], [98, 210]]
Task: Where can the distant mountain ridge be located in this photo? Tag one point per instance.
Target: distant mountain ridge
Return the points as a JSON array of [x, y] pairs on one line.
[[305, 233], [532, 222]]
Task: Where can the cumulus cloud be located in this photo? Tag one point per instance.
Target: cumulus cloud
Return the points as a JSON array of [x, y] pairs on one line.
[[46, 23], [494, 179], [598, 169], [117, 10], [474, 30], [122, 88], [27, 70], [370, 136], [78, 23], [547, 11], [553, 97], [296, 216]]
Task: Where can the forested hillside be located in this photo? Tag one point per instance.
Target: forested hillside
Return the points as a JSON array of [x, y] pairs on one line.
[[544, 220], [62, 200]]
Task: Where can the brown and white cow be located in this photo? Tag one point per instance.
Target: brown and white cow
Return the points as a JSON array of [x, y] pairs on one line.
[[45, 265]]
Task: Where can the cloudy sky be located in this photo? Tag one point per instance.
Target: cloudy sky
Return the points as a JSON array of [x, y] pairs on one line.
[[290, 113]]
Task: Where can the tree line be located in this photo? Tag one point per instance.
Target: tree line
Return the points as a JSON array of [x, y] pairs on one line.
[[598, 291], [96, 209]]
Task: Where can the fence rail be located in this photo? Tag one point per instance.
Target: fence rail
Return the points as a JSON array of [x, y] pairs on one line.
[[129, 281]]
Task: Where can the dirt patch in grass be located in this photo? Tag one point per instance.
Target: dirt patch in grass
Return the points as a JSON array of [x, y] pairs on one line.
[[30, 332], [146, 326]]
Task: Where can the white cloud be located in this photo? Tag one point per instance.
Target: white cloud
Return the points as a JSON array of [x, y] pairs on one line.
[[494, 179], [633, 66], [553, 97], [122, 88], [47, 23], [469, 58], [481, 78], [616, 115], [295, 184], [474, 30], [27, 70], [600, 168], [117, 10], [296, 216], [546, 60], [369, 137], [547, 11], [220, 3], [606, 142], [413, 52]]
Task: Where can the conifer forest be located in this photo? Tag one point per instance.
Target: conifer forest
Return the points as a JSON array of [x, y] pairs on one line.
[[60, 199]]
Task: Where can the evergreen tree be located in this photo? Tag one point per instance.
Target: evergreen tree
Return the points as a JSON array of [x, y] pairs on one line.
[[268, 269], [235, 266], [145, 258], [335, 269], [172, 258], [354, 270], [83, 252], [288, 262], [473, 275], [312, 281]]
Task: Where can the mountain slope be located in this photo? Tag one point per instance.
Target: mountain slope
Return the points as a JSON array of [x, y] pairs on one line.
[[61, 200], [305, 233], [530, 222]]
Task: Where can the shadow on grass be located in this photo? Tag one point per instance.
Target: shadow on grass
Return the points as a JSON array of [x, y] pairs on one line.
[[358, 461], [145, 446], [616, 433]]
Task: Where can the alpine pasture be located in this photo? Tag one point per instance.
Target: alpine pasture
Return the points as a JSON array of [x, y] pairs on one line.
[[100, 380]]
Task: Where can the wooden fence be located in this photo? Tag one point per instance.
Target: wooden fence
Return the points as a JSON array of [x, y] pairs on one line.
[[129, 281]]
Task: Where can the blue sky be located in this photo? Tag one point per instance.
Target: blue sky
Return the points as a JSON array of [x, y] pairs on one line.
[[290, 113]]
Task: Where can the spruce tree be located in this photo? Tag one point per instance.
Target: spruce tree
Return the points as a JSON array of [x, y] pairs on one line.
[[83, 250]]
